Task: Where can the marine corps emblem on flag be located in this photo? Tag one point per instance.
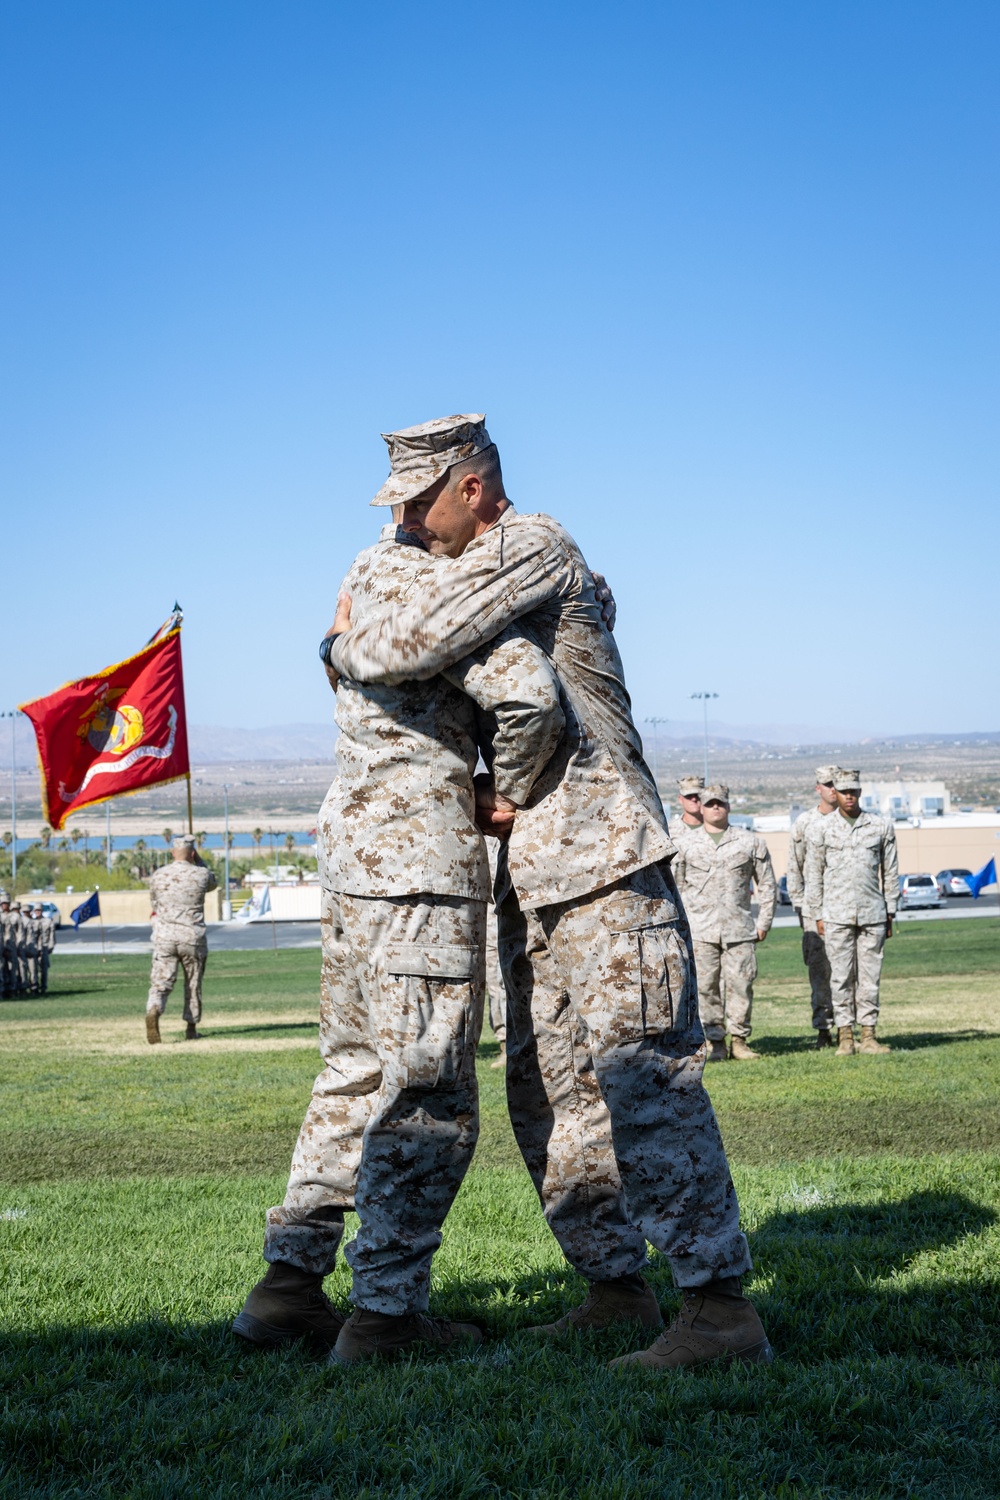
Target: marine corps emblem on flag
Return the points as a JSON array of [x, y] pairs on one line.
[[118, 732]]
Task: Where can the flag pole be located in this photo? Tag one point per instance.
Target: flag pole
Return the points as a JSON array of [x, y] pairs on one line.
[[190, 808], [100, 915]]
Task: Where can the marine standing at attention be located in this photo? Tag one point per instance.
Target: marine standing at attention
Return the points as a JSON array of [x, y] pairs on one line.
[[813, 947], [177, 895], [716, 868], [852, 891]]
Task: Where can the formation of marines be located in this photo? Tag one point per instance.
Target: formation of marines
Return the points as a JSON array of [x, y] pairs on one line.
[[28, 937]]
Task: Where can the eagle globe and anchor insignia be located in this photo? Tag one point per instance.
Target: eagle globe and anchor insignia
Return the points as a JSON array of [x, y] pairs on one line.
[[109, 728]]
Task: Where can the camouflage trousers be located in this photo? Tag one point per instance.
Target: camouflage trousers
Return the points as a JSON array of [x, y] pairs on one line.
[[605, 1055], [815, 959], [855, 955], [394, 1115], [495, 991], [30, 970], [726, 972], [43, 972], [192, 957], [11, 972]]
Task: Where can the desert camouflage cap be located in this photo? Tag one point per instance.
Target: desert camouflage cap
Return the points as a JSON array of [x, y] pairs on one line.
[[183, 841], [847, 781], [690, 786], [420, 456], [826, 774], [716, 793]]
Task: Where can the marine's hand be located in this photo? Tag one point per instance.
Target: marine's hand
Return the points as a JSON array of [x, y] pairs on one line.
[[606, 599], [761, 934], [888, 926], [342, 621], [821, 926], [494, 813]]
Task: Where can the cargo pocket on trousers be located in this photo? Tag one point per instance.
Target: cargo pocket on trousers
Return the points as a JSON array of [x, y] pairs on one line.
[[649, 967], [435, 989]]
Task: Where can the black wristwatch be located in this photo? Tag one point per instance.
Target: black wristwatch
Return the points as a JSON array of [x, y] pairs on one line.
[[326, 646]]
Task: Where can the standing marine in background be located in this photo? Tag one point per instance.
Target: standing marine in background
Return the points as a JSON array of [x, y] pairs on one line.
[[715, 868], [813, 947], [31, 932], [852, 891], [689, 790], [9, 932], [177, 895], [46, 946]]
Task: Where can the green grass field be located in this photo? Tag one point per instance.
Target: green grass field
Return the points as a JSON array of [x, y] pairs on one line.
[[135, 1182]]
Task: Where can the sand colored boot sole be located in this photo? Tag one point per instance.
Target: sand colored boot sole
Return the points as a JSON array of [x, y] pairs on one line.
[[152, 1027], [869, 1043], [608, 1303], [706, 1330], [369, 1335]]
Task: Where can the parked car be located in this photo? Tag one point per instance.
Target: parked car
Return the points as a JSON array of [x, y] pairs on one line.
[[953, 882], [919, 890], [784, 899]]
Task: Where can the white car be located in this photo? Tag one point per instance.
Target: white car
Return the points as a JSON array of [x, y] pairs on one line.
[[919, 890], [954, 882]]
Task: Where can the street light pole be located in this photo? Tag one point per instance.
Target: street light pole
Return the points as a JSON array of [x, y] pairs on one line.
[[12, 716], [656, 764], [227, 905], [704, 703]]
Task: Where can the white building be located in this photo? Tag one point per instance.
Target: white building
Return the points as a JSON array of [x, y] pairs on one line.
[[906, 799]]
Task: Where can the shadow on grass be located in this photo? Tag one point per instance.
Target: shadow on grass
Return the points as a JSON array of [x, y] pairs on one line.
[[219, 1033], [907, 1041], [821, 1277]]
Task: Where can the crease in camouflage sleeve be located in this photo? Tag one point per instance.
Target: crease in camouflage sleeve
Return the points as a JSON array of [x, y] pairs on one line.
[[890, 870], [464, 602], [815, 871], [767, 887], [795, 873], [512, 682]]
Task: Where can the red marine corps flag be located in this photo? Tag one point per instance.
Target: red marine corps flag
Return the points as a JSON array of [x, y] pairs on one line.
[[121, 731]]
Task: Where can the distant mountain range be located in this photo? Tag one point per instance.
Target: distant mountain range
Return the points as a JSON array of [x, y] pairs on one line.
[[212, 744]]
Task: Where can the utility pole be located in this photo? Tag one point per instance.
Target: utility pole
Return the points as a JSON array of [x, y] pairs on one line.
[[12, 716], [704, 703], [656, 767], [227, 905], [107, 810]]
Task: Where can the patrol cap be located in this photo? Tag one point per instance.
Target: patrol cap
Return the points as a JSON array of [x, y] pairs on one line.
[[847, 781], [37, 906], [420, 456], [826, 774], [690, 786], [716, 793], [183, 841]]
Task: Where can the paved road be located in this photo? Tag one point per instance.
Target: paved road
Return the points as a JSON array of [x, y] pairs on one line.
[[223, 937], [233, 937]]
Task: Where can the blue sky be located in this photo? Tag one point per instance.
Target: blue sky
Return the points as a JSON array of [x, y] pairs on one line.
[[722, 276]]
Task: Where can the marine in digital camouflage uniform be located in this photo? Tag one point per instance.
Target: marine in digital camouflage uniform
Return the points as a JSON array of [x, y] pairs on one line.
[[592, 940], [8, 949], [813, 947], [16, 941], [177, 894], [47, 943], [852, 891], [689, 790], [393, 1119], [30, 939], [716, 868]]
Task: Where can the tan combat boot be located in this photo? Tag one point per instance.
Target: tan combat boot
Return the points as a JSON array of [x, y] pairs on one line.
[[823, 1038], [717, 1052], [845, 1046], [711, 1325], [152, 1026], [500, 1061], [289, 1304], [371, 1335], [740, 1052], [627, 1300], [868, 1041]]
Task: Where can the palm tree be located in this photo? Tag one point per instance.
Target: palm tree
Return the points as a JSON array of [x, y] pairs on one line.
[[139, 849], [167, 836], [290, 842], [75, 836], [199, 840], [45, 835], [257, 835]]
